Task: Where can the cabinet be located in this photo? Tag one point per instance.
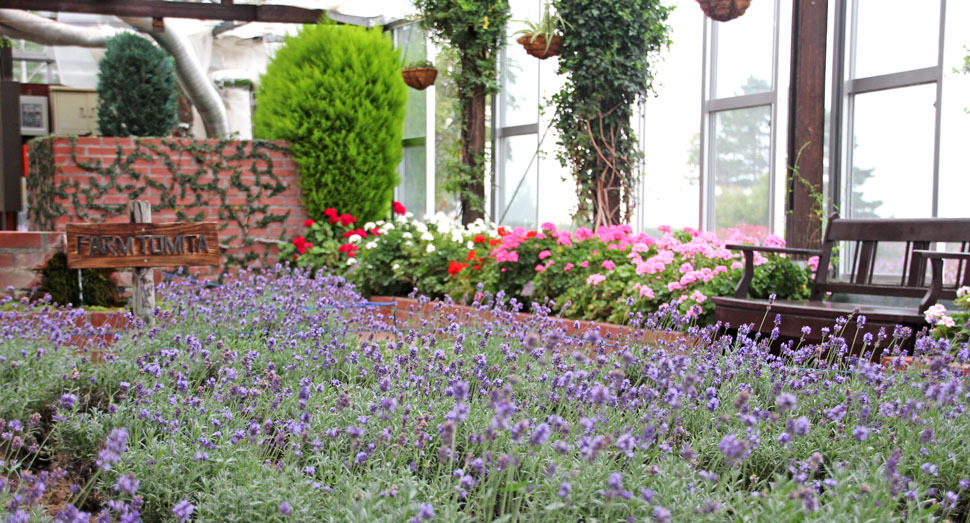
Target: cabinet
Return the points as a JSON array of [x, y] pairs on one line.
[[74, 111]]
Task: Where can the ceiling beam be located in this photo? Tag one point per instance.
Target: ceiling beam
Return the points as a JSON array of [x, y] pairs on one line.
[[164, 9]]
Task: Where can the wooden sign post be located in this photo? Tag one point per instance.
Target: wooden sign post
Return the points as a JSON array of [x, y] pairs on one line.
[[141, 245]]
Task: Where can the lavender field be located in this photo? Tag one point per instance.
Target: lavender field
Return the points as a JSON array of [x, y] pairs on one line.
[[283, 397]]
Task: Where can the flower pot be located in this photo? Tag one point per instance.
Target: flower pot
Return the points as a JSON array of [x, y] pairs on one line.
[[420, 78], [537, 46], [724, 10]]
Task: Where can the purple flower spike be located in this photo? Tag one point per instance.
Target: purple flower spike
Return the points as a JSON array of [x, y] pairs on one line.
[[660, 514], [425, 511], [285, 508], [183, 510]]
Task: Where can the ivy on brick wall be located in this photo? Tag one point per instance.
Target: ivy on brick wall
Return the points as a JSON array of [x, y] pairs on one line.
[[217, 171]]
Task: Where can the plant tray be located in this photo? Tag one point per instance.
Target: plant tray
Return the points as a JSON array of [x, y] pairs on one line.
[[724, 10], [537, 46], [420, 78]]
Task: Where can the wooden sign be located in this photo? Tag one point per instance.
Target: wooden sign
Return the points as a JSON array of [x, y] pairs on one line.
[[116, 245]]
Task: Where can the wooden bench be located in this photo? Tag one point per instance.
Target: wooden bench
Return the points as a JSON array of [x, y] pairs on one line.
[[863, 237]]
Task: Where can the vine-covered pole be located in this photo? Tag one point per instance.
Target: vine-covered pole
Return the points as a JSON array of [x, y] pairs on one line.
[[476, 30], [606, 58]]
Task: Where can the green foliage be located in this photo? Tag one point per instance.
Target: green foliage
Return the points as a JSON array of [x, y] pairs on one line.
[[548, 26], [61, 283], [475, 29], [136, 89], [336, 94], [606, 56]]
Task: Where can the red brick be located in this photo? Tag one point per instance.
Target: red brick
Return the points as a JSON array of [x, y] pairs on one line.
[[20, 240], [6, 261], [31, 260], [18, 279]]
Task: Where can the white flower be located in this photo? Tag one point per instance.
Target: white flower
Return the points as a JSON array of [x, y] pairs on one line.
[[947, 321], [370, 245], [406, 235], [470, 244], [388, 227], [408, 243], [400, 219], [457, 237], [351, 261], [381, 222], [963, 291], [427, 236], [354, 238], [420, 227], [430, 248], [409, 214], [396, 266], [935, 313], [369, 225]]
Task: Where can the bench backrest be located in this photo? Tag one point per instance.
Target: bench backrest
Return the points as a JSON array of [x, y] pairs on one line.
[[864, 236]]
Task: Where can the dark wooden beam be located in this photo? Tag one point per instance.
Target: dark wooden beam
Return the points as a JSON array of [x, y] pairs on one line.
[[806, 124], [165, 9], [11, 166]]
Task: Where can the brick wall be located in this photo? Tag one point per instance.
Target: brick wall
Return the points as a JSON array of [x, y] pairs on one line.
[[21, 253], [226, 187]]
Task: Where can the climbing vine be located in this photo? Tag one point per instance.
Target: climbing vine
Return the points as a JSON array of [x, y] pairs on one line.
[[475, 29], [606, 56], [238, 175]]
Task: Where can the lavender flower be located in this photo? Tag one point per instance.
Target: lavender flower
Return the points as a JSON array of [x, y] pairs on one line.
[[113, 448], [285, 509], [660, 514], [860, 433], [183, 510], [425, 511]]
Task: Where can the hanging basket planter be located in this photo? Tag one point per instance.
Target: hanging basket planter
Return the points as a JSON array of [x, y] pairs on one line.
[[537, 46], [420, 78], [724, 10]]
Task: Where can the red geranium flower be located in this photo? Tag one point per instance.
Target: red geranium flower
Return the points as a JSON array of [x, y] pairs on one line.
[[299, 241], [347, 219], [503, 232], [530, 234], [398, 207], [471, 256], [330, 212], [347, 247], [494, 241], [309, 222], [456, 267], [480, 238]]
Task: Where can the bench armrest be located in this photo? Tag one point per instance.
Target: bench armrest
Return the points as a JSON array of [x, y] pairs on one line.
[[741, 291], [936, 284], [773, 250]]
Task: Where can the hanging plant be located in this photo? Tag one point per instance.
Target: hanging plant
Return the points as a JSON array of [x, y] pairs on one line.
[[419, 75], [608, 60], [724, 10], [542, 39]]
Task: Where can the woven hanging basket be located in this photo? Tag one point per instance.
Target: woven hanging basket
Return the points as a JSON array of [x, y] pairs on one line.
[[724, 10], [538, 48], [420, 78]]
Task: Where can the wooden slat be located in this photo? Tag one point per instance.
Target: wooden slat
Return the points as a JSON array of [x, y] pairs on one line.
[[880, 290], [117, 245], [917, 266], [953, 230], [863, 269]]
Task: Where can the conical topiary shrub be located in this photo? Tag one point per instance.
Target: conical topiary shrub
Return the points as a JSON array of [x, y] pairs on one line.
[[136, 89], [335, 93]]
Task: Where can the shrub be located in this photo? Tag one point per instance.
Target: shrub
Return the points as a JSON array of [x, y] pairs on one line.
[[136, 89], [61, 283], [336, 94]]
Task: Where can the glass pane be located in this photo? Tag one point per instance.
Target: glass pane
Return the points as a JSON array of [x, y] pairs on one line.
[[743, 52], [896, 35], [411, 192], [671, 194], [557, 194], [892, 171], [447, 131], [742, 159], [521, 81], [519, 190], [955, 122]]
